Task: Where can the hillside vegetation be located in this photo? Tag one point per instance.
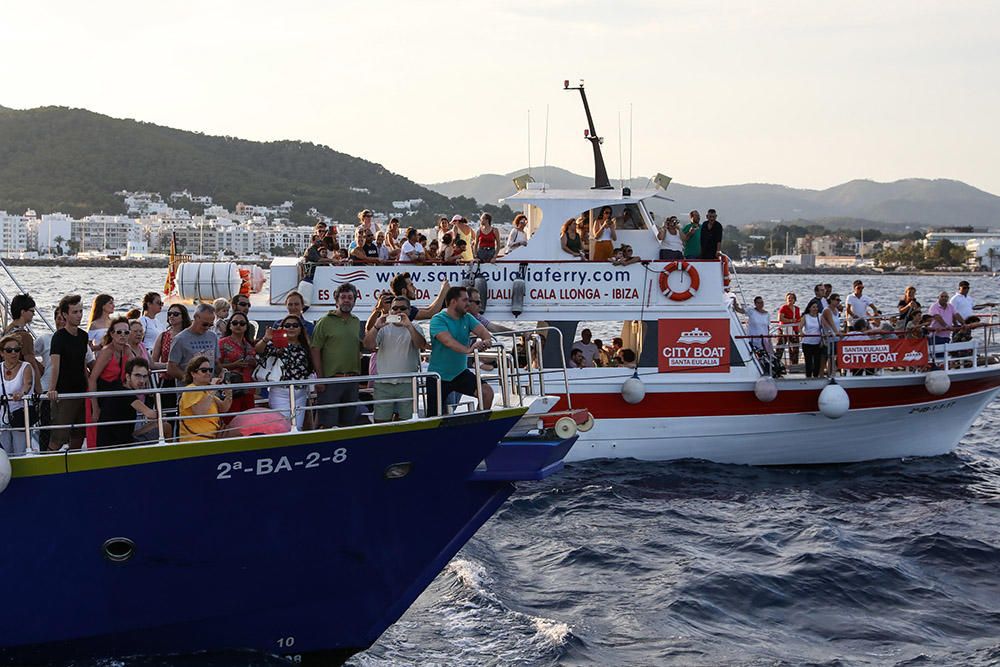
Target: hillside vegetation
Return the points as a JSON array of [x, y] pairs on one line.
[[72, 160]]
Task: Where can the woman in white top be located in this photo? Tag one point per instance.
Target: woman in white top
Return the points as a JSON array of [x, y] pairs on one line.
[[671, 244], [17, 381], [758, 326], [100, 319], [517, 237], [603, 237], [812, 341]]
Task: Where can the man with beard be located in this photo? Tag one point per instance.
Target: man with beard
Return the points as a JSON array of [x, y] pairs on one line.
[[450, 333], [336, 353]]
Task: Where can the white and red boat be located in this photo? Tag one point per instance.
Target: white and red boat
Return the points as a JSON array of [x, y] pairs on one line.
[[698, 391]]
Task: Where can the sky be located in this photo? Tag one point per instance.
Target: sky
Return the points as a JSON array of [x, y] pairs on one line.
[[801, 93]]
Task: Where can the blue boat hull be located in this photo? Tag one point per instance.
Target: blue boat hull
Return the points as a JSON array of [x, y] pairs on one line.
[[298, 545]]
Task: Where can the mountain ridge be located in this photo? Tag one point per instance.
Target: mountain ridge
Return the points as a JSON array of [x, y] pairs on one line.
[[909, 201]]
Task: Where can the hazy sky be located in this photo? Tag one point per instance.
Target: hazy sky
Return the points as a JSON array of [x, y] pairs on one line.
[[802, 93]]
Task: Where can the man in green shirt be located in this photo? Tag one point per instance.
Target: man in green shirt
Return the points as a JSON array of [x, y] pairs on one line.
[[450, 350], [336, 353], [691, 235]]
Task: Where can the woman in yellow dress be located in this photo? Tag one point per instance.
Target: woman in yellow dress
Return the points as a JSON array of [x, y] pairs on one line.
[[200, 409]]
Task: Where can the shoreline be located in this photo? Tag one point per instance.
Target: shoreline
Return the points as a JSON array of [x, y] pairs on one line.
[[746, 270]]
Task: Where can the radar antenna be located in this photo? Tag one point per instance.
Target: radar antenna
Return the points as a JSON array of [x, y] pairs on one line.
[[601, 181]]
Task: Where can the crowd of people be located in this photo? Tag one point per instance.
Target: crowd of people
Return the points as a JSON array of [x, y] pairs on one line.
[[118, 358], [827, 318], [455, 241], [590, 352]]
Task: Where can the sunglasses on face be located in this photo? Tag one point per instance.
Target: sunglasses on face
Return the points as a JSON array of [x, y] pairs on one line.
[[203, 370], [12, 350], [399, 309], [120, 332], [291, 325], [237, 323]]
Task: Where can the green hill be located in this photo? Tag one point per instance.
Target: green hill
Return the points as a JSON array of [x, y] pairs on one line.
[[73, 160]]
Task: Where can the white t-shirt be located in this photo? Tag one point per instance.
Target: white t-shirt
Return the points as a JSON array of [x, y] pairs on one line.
[[758, 322], [671, 241], [589, 352], [152, 329], [859, 307], [963, 305], [410, 252]]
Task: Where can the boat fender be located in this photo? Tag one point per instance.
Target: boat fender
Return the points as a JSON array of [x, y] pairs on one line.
[[5, 471], [937, 382], [587, 425], [481, 286], [765, 389], [306, 290], [633, 390], [517, 290], [565, 427], [834, 401]]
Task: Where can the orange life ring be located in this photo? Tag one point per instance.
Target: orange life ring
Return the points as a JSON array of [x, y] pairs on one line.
[[725, 271], [686, 267]]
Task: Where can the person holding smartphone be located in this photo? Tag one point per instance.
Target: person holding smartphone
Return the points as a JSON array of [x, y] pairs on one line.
[[399, 342]]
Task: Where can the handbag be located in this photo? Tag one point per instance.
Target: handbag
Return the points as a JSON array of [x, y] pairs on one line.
[[269, 371]]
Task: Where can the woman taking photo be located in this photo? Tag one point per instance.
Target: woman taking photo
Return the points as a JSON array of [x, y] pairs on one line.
[[570, 239], [604, 236], [108, 374], [236, 354], [199, 410], [100, 319], [18, 378], [296, 364], [908, 305]]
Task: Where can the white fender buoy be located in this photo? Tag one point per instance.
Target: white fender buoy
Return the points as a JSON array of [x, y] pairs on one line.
[[633, 390], [765, 389], [834, 401], [937, 382], [587, 425], [5, 471], [306, 290], [565, 427]]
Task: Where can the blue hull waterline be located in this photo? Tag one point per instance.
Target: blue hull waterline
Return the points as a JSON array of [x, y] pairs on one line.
[[307, 545]]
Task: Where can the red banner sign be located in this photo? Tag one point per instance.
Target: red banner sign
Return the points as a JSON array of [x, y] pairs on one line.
[[885, 353], [694, 345]]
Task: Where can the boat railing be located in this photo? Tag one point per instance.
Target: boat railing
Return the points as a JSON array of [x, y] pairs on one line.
[[981, 349], [6, 300], [166, 418]]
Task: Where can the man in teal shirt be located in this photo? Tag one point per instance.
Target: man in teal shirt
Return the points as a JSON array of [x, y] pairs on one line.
[[691, 235], [450, 330]]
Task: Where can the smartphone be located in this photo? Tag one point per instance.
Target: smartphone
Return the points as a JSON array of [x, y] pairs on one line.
[[393, 319], [279, 338]]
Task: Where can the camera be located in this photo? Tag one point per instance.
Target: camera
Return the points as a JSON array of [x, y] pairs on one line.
[[393, 319], [232, 377]]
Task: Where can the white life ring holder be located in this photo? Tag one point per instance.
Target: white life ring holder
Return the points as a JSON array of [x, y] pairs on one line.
[[687, 268]]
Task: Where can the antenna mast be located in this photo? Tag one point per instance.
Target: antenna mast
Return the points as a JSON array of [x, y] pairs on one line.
[[529, 142], [545, 152], [601, 181]]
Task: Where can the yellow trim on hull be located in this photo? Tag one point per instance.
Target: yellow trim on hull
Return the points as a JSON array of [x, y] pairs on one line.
[[83, 460]]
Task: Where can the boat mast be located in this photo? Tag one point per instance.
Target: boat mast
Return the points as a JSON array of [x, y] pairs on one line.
[[601, 181]]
